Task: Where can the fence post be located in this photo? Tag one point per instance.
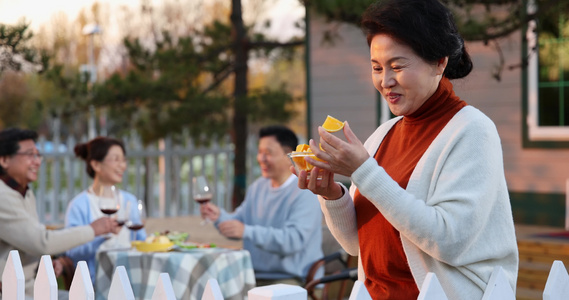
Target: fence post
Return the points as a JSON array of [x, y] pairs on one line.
[[431, 289], [41, 191], [81, 286], [163, 289], [13, 278], [212, 291], [45, 286], [120, 286], [498, 287], [278, 292], [557, 285], [359, 292]]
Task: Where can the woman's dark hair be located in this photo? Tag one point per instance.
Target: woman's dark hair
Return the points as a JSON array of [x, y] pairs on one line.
[[285, 136], [96, 149], [10, 139], [426, 26]]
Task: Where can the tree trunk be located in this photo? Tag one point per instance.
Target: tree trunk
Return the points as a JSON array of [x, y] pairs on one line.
[[240, 105]]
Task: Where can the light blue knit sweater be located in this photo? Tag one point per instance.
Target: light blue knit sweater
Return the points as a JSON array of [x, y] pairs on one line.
[[283, 228]]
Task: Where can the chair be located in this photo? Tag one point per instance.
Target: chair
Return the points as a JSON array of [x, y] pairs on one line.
[[338, 268]]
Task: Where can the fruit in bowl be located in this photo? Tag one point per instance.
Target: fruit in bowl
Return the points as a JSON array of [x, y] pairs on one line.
[[297, 158], [302, 151], [154, 243]]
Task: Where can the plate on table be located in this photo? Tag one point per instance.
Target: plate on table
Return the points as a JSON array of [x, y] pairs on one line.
[[152, 247], [194, 247]]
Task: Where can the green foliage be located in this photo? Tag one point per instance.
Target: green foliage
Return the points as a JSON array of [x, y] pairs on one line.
[[266, 106], [349, 11], [182, 83], [476, 20], [163, 92], [14, 50], [33, 90]]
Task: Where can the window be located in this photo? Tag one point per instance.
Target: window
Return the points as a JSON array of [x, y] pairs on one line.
[[548, 78]]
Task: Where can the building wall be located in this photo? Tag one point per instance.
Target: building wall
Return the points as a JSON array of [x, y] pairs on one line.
[[527, 169], [341, 86], [341, 79]]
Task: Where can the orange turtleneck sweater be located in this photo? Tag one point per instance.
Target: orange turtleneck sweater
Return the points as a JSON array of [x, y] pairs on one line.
[[387, 272]]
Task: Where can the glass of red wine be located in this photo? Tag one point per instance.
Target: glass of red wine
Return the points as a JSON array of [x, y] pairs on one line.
[[136, 218], [202, 192], [109, 200]]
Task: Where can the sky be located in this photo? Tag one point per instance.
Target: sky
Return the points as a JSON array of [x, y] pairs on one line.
[[282, 13], [39, 12]]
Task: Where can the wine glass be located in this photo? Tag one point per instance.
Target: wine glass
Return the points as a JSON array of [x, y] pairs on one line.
[[109, 200], [202, 192], [136, 217]]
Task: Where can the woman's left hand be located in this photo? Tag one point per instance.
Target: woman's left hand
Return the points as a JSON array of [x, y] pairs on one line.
[[322, 183], [340, 157]]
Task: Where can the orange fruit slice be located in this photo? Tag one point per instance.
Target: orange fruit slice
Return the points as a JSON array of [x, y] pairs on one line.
[[332, 124], [300, 162], [302, 148]]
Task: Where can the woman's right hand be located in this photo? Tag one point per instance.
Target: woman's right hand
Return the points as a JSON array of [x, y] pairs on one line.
[[338, 156], [209, 211]]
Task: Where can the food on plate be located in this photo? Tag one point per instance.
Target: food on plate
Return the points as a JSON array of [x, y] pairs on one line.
[[191, 245], [177, 237], [332, 124], [160, 239]]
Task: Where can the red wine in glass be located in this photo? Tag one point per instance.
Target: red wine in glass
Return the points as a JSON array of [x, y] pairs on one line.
[[133, 226], [136, 218], [203, 200], [109, 200], [109, 211], [120, 222], [202, 192]]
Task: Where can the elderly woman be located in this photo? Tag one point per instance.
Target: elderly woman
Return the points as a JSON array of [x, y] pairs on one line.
[[428, 189], [106, 163]]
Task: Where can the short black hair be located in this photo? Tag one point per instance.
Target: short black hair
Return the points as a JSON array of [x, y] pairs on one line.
[[283, 134], [10, 138], [427, 26]]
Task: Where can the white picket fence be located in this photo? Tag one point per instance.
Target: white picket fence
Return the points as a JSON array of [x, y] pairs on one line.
[[45, 287]]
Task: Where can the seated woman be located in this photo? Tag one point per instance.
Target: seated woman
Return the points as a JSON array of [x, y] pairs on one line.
[[106, 163]]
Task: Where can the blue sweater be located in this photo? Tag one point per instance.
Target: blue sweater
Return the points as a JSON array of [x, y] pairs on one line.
[[283, 228], [78, 214]]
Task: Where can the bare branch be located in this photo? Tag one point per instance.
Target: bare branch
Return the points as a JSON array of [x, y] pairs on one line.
[[271, 44], [227, 70]]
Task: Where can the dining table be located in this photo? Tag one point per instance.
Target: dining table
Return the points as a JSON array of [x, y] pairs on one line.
[[189, 271]]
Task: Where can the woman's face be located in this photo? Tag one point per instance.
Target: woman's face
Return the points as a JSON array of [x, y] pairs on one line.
[[111, 169], [404, 79]]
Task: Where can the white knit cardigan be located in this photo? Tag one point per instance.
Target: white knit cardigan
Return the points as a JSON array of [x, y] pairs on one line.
[[454, 218]]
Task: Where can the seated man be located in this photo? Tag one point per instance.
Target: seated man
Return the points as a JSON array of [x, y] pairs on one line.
[[19, 222], [280, 224]]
